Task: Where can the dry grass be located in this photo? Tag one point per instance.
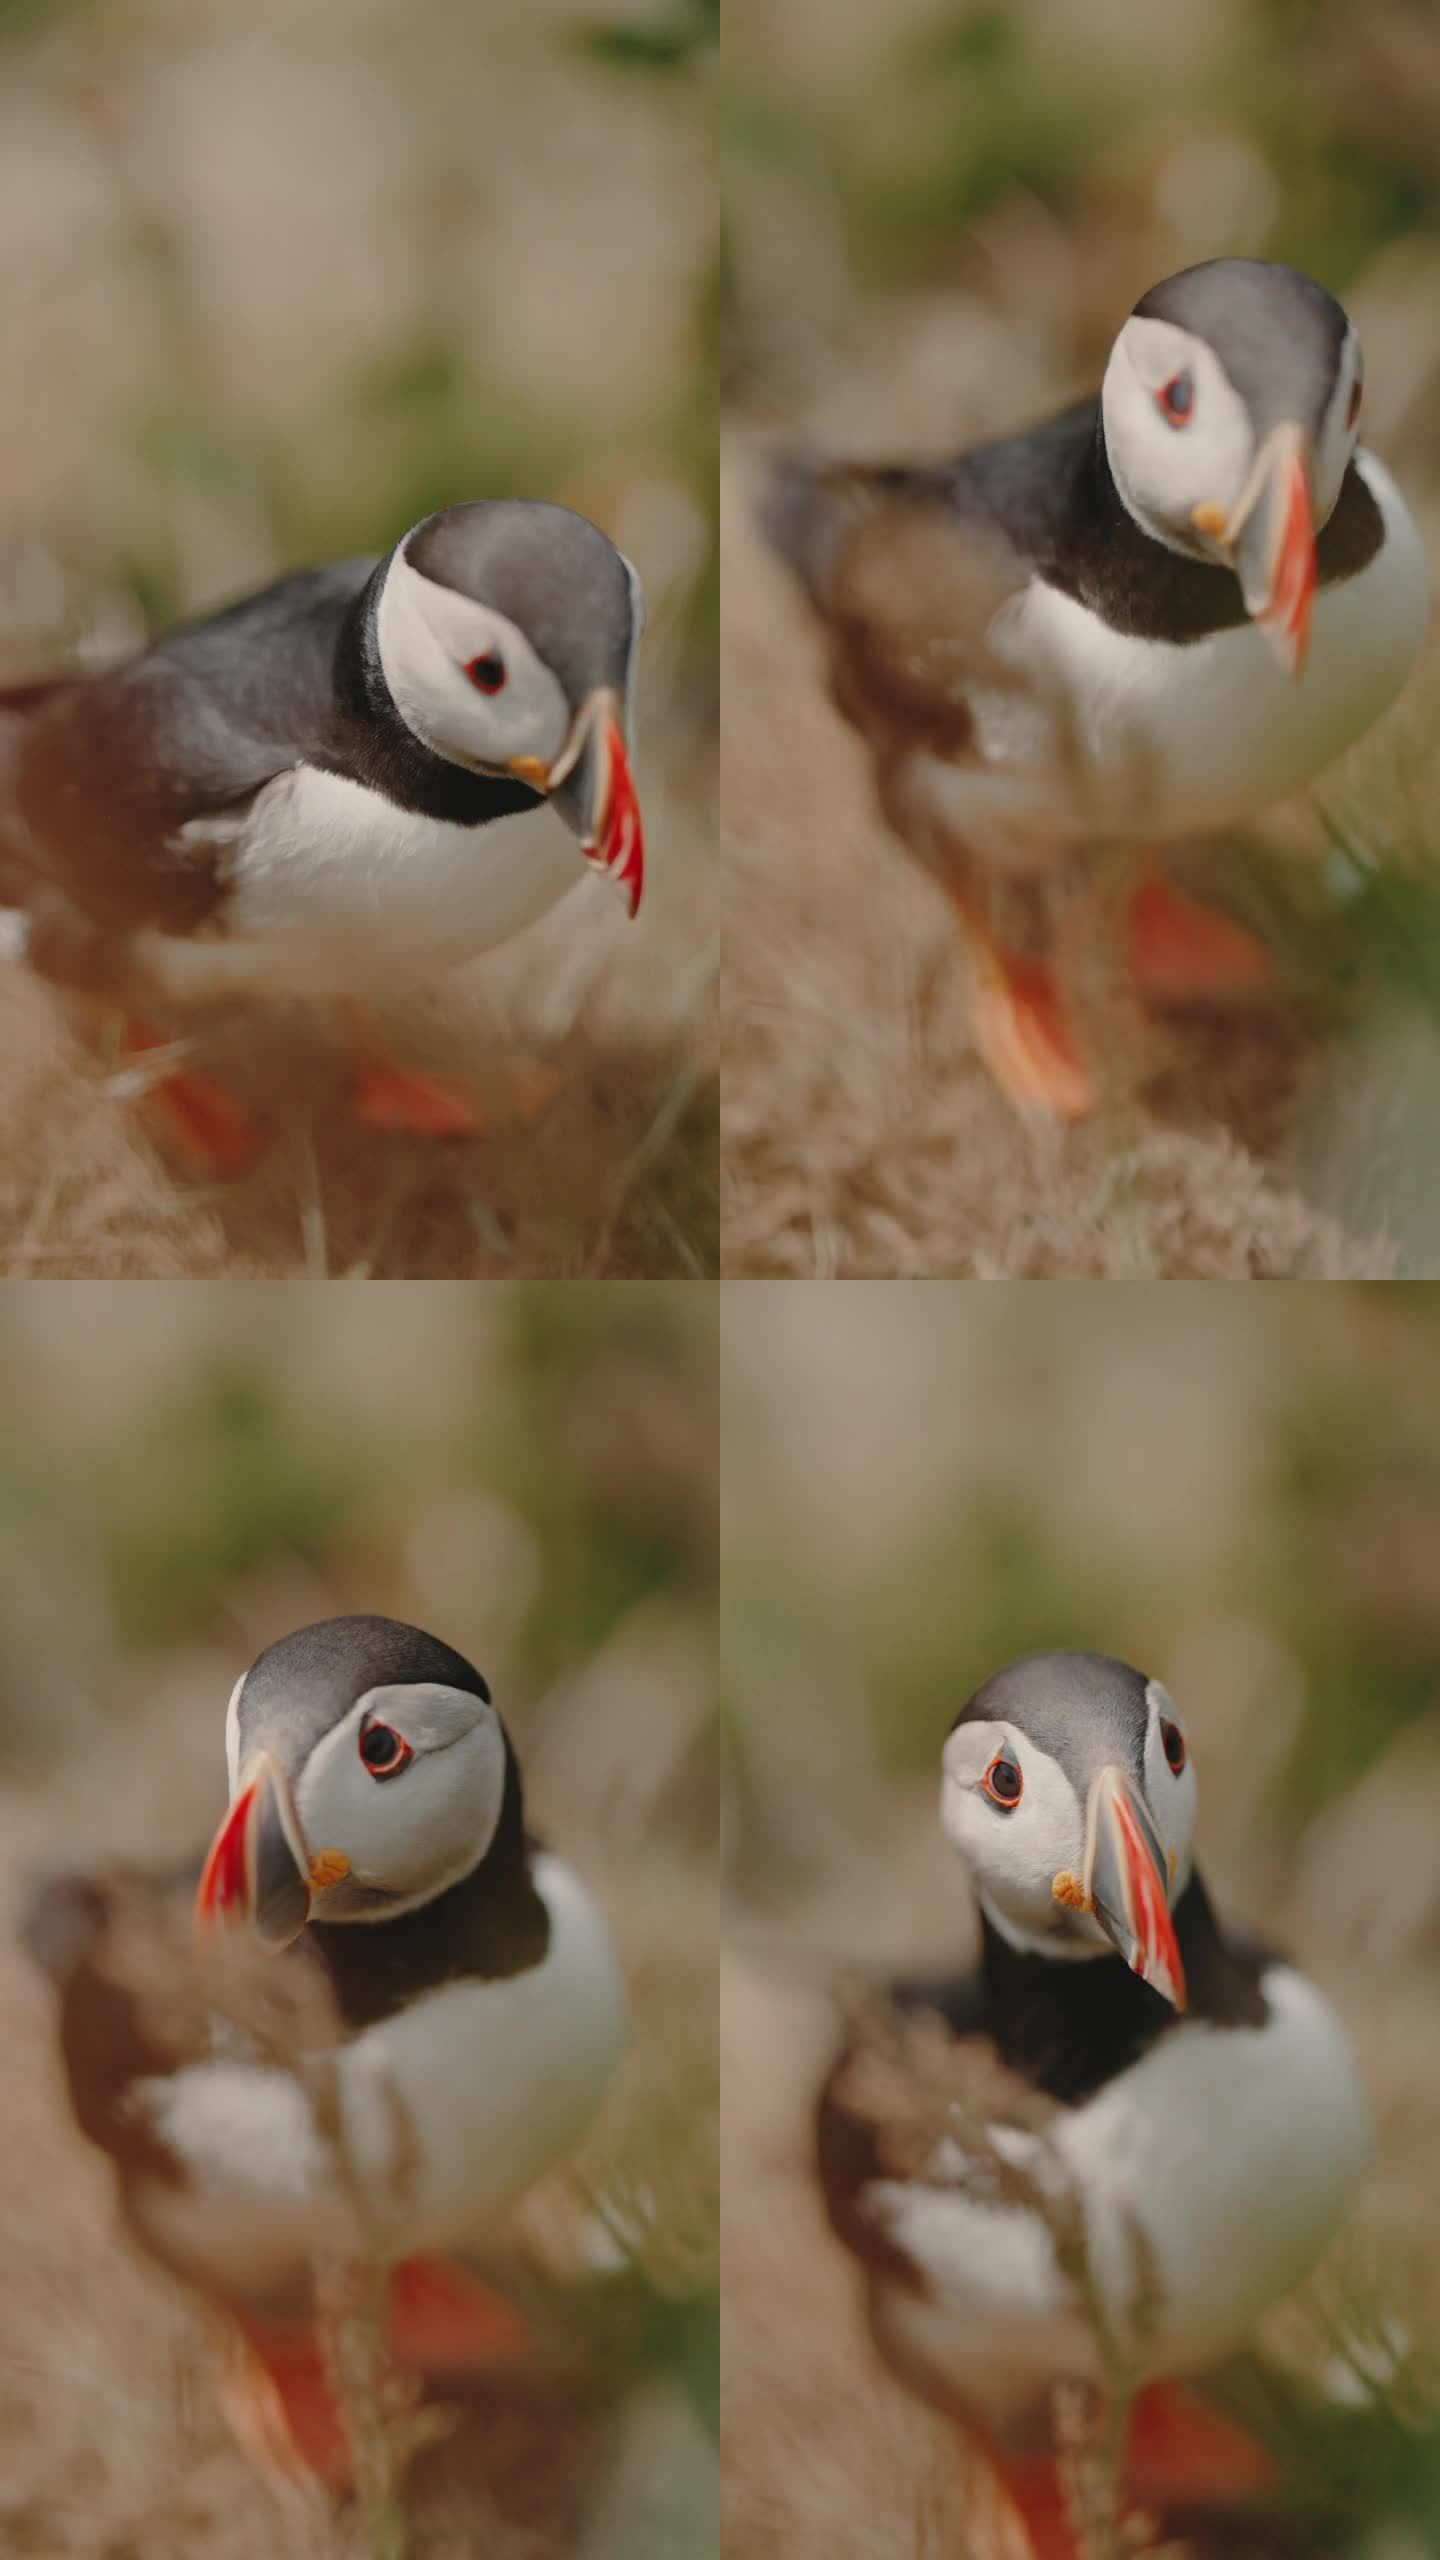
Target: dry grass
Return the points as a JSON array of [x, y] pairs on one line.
[[615, 1179], [825, 2458]]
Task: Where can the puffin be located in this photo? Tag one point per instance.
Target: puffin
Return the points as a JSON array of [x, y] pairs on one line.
[[1141, 2128], [359, 777], [375, 1848], [1144, 619]]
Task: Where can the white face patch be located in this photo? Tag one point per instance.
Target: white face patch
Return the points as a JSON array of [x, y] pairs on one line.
[[428, 635], [410, 1834], [1015, 1852], [1164, 471], [232, 1734]]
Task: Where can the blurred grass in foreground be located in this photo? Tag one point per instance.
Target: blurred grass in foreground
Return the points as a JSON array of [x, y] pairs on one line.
[[248, 436]]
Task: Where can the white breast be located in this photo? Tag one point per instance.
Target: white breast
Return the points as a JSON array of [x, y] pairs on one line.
[[1174, 740], [1210, 2177], [450, 2111], [335, 891], [1133, 738]]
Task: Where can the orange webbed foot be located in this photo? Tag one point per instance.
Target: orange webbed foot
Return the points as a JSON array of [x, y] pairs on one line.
[[1025, 1038], [281, 2406], [278, 2393], [195, 1119], [1182, 951], [444, 2320], [1180, 2454], [428, 1106]]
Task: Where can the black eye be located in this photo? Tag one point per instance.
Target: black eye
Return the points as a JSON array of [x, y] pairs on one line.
[[1174, 1742], [1177, 398], [1003, 1782], [487, 672], [1353, 411], [384, 1751]]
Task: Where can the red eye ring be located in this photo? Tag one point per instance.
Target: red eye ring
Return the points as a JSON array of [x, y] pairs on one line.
[[390, 1764], [1006, 1798], [1173, 1744], [1175, 399], [487, 672]]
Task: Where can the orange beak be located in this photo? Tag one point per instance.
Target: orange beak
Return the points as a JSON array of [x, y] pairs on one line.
[[257, 1873], [1270, 538], [617, 846], [1127, 1884], [593, 791]]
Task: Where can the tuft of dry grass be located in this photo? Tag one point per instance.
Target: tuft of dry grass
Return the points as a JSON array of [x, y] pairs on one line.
[[824, 2456]]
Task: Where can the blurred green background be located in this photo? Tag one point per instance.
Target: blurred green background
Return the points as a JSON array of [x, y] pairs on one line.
[[284, 281], [937, 214], [1035, 154], [530, 1472], [1238, 1490]]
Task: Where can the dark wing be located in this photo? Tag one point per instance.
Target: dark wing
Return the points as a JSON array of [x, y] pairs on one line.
[[906, 569], [105, 774], [905, 564], [1016, 493], [135, 2005], [876, 2117], [97, 1936]]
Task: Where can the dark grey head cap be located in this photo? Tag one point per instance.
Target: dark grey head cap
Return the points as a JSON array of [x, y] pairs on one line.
[[307, 1683], [552, 573], [1085, 1710], [1278, 334]]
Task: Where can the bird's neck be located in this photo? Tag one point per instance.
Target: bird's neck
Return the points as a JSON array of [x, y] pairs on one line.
[[1125, 571], [1070, 2026], [371, 744]]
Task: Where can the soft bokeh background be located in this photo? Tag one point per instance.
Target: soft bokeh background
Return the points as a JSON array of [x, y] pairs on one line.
[[280, 281], [1237, 1490], [186, 1474], [939, 212]]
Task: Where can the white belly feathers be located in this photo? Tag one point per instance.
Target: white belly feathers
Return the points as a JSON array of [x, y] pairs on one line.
[[1211, 2175], [452, 2109], [335, 891], [1144, 739]]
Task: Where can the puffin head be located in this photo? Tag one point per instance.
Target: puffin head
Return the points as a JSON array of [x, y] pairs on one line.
[[369, 1772], [506, 631], [1230, 406], [1068, 1791]]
